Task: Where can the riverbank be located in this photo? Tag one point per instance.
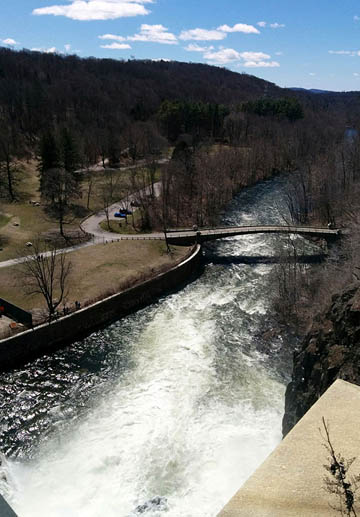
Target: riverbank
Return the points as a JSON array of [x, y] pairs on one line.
[[329, 351], [22, 347]]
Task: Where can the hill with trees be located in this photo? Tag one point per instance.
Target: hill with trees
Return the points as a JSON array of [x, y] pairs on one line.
[[39, 90]]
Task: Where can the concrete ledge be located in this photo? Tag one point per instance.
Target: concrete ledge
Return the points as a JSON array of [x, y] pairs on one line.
[[290, 481], [5, 510], [23, 347]]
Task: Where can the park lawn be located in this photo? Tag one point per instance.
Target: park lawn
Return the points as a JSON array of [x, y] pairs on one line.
[[124, 186], [98, 271], [119, 225], [27, 222], [4, 219]]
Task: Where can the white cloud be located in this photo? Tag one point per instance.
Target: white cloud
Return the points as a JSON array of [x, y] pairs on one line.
[[96, 9], [254, 56], [154, 34], [148, 33], [258, 60], [202, 35], [345, 52], [51, 50], [261, 64], [194, 47], [277, 25], [67, 47], [356, 18], [223, 56], [274, 25], [239, 27], [356, 74], [246, 59], [112, 37], [9, 41], [312, 73], [116, 46], [279, 53], [156, 59]]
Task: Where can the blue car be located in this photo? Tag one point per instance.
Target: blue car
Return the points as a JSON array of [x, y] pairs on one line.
[[120, 214], [125, 211]]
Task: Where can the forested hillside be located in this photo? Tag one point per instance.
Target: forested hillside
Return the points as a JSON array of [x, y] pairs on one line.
[[38, 90]]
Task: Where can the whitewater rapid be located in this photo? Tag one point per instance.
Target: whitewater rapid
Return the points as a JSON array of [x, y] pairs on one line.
[[182, 400]]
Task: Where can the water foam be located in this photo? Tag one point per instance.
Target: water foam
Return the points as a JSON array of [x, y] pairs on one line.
[[195, 414]]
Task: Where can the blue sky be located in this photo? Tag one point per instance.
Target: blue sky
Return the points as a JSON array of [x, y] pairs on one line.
[[310, 44]]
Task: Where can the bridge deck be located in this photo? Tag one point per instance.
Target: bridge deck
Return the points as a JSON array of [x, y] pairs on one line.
[[231, 231]]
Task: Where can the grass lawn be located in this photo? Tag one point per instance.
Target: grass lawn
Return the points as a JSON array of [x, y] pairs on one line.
[[24, 222], [119, 225], [4, 219], [98, 271]]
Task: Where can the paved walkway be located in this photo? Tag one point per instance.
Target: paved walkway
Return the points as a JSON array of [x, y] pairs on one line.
[[13, 262]]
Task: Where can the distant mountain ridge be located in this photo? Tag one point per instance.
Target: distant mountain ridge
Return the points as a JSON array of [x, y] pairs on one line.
[[323, 92], [310, 90]]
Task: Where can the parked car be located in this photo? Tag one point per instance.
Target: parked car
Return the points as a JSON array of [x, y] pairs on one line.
[[120, 214], [125, 211]]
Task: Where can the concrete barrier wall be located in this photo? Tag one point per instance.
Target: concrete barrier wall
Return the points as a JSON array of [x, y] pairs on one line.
[[19, 349], [16, 313], [290, 482], [5, 510]]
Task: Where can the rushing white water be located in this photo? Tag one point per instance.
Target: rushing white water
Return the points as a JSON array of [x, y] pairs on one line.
[[182, 400]]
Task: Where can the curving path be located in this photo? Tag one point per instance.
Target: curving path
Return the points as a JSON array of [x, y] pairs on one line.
[[91, 225]]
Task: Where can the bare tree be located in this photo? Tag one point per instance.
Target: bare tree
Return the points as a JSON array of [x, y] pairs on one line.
[[89, 183], [339, 482], [47, 273], [11, 170], [109, 192]]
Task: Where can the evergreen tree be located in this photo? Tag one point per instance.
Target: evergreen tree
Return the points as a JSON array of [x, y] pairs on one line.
[[69, 151], [49, 156]]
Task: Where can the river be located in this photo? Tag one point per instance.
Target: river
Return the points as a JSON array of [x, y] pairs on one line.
[[181, 400]]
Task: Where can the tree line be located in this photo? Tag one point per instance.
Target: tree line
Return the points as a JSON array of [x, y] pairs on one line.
[[290, 108]]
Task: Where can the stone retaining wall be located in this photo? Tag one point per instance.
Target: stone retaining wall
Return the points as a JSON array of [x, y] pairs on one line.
[[19, 349]]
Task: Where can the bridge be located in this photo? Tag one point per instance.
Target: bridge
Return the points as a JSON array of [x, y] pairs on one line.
[[185, 237]]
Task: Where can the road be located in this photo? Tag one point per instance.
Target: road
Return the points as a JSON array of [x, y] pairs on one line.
[[91, 225]]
